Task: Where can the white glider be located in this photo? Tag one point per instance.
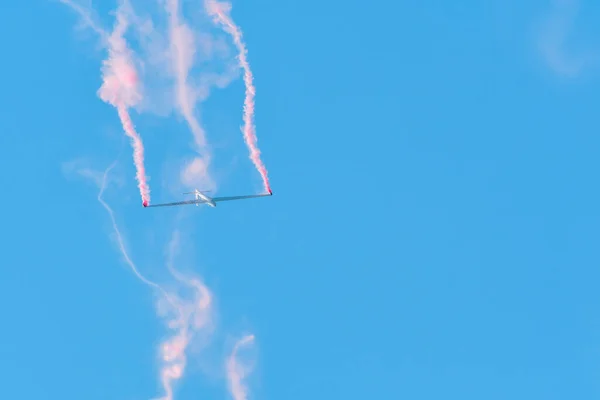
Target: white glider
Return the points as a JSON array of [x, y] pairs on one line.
[[201, 198]]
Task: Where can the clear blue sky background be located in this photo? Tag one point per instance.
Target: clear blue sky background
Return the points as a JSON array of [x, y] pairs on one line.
[[434, 229]]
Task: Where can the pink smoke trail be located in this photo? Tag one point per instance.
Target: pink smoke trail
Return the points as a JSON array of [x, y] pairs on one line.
[[192, 317], [220, 13], [236, 371], [120, 88], [174, 370]]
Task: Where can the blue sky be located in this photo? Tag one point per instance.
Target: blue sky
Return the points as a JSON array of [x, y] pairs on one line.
[[433, 230]]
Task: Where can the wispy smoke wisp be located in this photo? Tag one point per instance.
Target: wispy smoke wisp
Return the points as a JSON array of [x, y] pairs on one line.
[[554, 40], [237, 371]]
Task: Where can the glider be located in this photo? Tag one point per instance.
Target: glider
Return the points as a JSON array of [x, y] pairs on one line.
[[201, 198]]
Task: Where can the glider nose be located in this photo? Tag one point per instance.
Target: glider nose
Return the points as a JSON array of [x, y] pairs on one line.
[[145, 203]]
